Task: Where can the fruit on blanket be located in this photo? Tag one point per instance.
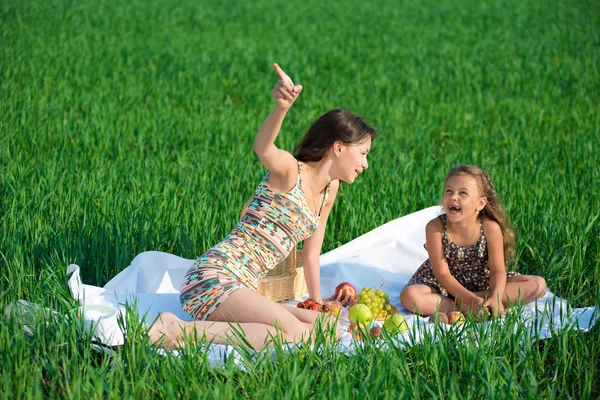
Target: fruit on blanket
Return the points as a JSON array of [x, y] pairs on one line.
[[438, 317], [378, 301], [354, 329], [375, 332], [395, 324], [332, 307], [360, 314], [309, 304], [455, 317], [345, 289]]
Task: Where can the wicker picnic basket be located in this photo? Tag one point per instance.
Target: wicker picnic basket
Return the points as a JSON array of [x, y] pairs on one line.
[[286, 280]]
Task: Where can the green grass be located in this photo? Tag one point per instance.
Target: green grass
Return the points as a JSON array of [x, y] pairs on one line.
[[128, 127]]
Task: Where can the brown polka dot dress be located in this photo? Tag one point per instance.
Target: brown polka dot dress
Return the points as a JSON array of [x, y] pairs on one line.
[[467, 264]]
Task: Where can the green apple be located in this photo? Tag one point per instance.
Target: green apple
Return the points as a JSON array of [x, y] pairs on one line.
[[360, 314], [395, 324]]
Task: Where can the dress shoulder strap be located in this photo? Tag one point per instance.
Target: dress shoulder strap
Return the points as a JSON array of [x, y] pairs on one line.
[[444, 220], [325, 196]]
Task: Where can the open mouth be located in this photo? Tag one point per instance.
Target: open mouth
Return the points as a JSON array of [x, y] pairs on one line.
[[454, 209]]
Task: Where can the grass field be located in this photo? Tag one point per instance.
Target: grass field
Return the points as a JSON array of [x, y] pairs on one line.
[[127, 126]]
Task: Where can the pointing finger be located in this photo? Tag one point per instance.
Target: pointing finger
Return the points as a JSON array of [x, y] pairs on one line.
[[287, 81], [280, 72]]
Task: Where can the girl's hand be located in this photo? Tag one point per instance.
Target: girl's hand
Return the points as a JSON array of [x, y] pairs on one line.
[[285, 92], [478, 308], [495, 307]]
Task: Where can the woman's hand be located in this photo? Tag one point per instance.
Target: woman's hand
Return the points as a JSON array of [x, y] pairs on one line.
[[285, 92], [346, 300]]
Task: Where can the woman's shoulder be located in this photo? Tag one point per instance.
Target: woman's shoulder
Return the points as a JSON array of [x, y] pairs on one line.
[[331, 191]]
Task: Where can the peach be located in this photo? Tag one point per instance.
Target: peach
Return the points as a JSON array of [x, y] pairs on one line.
[[375, 332], [439, 317], [455, 317], [332, 307]]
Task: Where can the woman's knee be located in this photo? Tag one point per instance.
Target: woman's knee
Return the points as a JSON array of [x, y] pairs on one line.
[[295, 332]]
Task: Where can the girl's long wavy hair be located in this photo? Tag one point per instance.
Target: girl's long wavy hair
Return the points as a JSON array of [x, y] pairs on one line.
[[493, 209], [332, 126]]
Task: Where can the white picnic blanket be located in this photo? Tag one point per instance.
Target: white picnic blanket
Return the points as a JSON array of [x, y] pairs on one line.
[[390, 253]]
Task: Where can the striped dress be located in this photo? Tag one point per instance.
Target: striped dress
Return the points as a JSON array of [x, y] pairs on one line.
[[271, 227]]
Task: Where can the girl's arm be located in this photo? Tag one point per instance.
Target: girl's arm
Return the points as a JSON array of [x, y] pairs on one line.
[[495, 245], [280, 163], [464, 297], [312, 248]]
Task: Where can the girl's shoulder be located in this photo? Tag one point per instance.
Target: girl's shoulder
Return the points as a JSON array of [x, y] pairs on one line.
[[491, 228], [490, 223], [436, 224]]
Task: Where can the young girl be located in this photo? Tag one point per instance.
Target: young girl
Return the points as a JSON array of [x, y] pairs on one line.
[[291, 204], [468, 249]]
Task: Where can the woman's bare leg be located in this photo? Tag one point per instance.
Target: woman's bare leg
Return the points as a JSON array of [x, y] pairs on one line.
[[310, 318], [258, 317], [168, 331]]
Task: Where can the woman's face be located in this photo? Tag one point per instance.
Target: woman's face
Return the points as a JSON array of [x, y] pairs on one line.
[[353, 160]]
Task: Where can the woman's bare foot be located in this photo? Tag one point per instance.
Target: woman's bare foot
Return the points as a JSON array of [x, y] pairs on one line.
[[163, 332]]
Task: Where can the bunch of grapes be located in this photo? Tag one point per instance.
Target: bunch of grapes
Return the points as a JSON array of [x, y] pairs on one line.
[[378, 301]]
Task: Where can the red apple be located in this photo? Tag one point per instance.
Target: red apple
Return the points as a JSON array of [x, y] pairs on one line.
[[345, 290]]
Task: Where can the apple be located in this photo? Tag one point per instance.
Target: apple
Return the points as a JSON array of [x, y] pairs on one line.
[[438, 317], [455, 317], [361, 314], [395, 324], [345, 289]]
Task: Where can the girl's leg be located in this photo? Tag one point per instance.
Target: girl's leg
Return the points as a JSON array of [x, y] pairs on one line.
[[520, 289], [424, 300], [524, 289]]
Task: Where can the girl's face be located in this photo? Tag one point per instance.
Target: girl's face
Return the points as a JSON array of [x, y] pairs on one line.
[[462, 198], [353, 160]]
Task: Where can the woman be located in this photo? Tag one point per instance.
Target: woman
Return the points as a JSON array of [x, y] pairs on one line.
[[291, 204]]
